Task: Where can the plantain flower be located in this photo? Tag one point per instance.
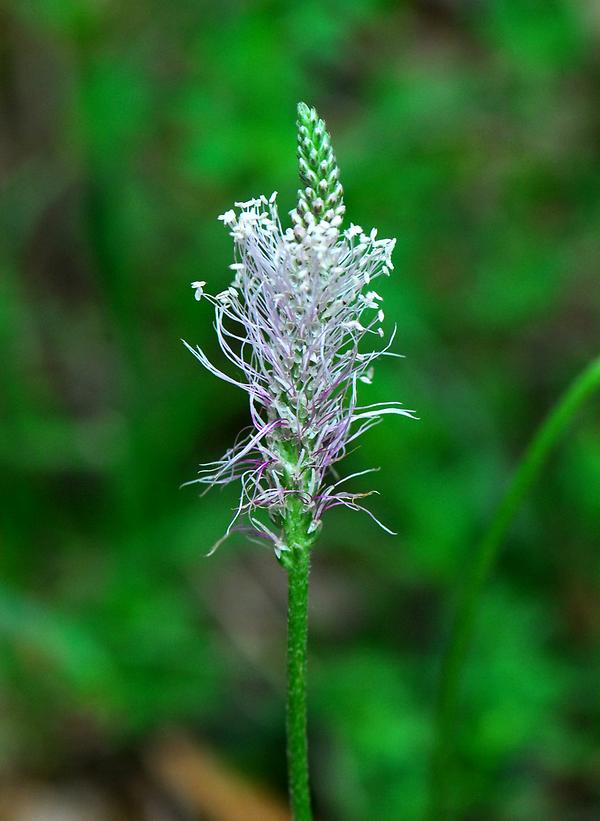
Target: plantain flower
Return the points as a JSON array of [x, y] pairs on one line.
[[302, 326]]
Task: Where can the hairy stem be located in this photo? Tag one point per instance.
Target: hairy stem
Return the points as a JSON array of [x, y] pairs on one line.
[[584, 385], [297, 563]]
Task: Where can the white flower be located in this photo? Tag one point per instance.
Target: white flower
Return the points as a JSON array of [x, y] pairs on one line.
[[291, 326]]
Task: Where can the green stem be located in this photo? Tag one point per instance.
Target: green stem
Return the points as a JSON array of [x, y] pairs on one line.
[[297, 563], [585, 384]]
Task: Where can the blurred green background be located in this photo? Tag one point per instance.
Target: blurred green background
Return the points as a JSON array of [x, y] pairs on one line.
[[469, 130]]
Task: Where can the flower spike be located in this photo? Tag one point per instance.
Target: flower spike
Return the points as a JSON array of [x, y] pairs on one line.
[[294, 323]]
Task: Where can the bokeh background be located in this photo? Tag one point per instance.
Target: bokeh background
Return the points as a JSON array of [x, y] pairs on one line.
[[139, 680]]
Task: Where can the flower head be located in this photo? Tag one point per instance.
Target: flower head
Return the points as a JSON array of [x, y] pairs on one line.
[[293, 323]]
